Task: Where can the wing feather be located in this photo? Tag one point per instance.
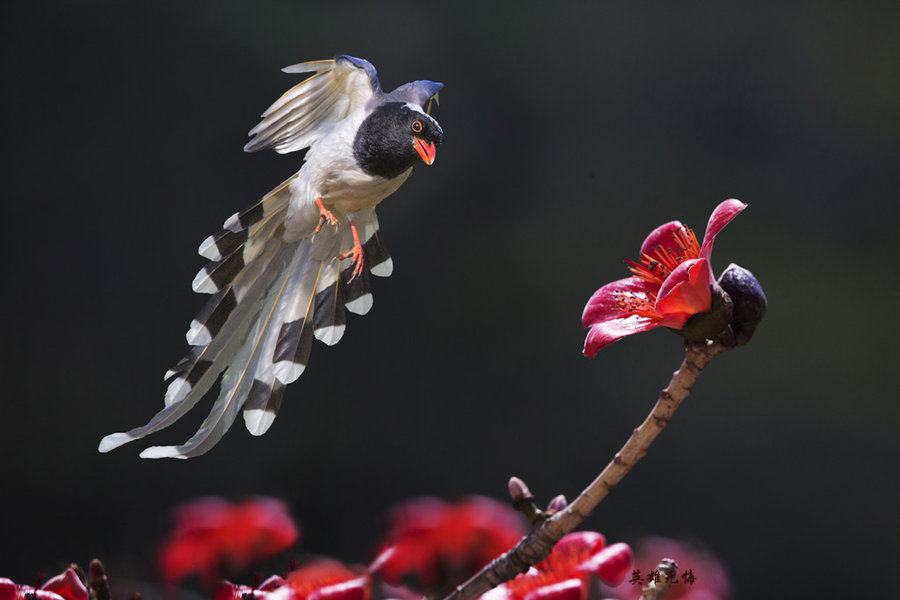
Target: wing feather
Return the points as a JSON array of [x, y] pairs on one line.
[[300, 116]]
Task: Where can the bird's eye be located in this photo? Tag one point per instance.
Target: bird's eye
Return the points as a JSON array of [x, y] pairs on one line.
[[417, 126]]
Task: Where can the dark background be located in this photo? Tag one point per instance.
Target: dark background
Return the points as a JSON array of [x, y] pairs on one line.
[[572, 129]]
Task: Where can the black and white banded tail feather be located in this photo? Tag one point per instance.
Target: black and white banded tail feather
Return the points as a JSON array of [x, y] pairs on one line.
[[269, 300]]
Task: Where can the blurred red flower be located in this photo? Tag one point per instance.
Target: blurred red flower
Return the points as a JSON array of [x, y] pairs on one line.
[[708, 578], [211, 535], [65, 586], [670, 284], [442, 544], [568, 573], [328, 580], [319, 580]]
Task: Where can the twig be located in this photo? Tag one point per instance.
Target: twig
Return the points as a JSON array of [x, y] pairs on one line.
[[99, 582], [536, 546], [656, 588]]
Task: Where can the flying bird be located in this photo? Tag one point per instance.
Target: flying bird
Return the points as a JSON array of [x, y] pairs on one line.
[[288, 268]]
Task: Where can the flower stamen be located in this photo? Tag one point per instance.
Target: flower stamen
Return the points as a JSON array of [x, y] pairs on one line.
[[659, 262], [641, 304]]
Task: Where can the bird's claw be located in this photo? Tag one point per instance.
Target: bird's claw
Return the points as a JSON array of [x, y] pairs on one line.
[[356, 253], [325, 216]]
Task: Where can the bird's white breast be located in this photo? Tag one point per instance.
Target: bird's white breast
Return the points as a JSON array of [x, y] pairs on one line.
[[331, 173]]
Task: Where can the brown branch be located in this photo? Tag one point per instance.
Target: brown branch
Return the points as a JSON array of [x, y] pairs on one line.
[[536, 546]]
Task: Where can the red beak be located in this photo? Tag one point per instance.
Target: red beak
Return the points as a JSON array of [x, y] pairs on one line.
[[426, 150]]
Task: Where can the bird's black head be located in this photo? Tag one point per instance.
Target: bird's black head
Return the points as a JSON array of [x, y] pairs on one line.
[[394, 137]]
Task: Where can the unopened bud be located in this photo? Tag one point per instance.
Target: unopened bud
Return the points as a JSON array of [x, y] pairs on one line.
[[518, 490], [523, 501], [708, 325], [557, 504], [96, 571], [749, 301]]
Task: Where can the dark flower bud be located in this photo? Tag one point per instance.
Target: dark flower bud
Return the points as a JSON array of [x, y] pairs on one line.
[[749, 301], [708, 325]]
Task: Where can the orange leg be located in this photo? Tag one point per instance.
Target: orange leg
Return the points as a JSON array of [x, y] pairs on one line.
[[325, 215], [356, 253]]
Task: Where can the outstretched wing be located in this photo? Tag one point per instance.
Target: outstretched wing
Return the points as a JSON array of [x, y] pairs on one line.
[[418, 92], [307, 110]]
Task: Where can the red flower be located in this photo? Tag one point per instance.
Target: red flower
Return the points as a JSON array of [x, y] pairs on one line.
[[442, 543], [65, 586], [566, 574], [211, 534], [670, 284], [319, 580]]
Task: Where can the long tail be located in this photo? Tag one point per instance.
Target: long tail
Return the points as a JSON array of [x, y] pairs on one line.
[[269, 300]]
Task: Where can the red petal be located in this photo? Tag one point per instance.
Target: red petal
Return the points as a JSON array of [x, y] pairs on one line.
[[272, 583], [255, 530], [355, 589], [315, 576], [603, 305], [569, 552], [604, 334], [612, 563], [68, 585], [501, 592], [720, 217], [7, 589], [429, 535], [226, 591], [685, 292], [386, 564], [662, 236], [196, 554], [212, 531], [608, 322], [485, 529], [591, 541], [570, 589]]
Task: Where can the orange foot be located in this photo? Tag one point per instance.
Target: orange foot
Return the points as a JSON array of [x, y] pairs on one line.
[[356, 253], [325, 215]]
